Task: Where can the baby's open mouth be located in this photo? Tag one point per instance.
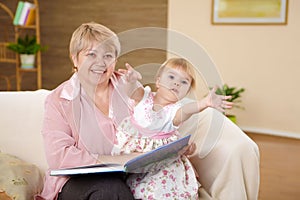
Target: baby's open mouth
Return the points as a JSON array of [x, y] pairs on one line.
[[174, 90]]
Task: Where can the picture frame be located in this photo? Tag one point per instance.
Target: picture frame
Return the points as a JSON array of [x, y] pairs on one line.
[[249, 12]]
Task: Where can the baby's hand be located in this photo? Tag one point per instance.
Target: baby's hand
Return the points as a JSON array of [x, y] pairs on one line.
[[218, 102], [131, 75]]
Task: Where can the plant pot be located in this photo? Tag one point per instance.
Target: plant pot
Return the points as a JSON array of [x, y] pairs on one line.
[[232, 118], [27, 61]]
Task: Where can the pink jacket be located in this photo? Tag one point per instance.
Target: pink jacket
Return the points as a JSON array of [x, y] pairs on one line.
[[63, 146]]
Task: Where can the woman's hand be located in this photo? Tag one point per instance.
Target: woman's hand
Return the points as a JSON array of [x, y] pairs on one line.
[[130, 73], [216, 101], [188, 150]]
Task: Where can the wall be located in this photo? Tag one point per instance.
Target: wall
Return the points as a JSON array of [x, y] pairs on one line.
[[59, 19], [263, 59]]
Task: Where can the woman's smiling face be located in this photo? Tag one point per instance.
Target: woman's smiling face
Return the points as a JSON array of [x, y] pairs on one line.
[[95, 64]]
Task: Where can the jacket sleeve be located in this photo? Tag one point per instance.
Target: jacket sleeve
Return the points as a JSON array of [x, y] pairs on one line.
[[60, 136]]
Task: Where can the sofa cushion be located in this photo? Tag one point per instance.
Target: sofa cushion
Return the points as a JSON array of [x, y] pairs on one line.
[[19, 180]]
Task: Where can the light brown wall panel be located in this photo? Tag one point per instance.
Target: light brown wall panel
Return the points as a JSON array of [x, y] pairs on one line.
[[59, 18]]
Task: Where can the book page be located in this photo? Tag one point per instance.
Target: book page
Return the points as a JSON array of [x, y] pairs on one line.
[[118, 159], [90, 169]]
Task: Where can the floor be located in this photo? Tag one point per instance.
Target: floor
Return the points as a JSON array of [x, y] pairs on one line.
[[280, 167]]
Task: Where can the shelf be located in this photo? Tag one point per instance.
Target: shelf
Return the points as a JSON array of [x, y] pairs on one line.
[[8, 57], [38, 65], [28, 70], [8, 60], [26, 27]]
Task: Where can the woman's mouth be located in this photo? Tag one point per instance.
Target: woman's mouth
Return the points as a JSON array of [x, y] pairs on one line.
[[99, 71]]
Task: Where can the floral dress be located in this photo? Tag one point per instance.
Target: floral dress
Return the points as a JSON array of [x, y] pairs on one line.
[[146, 130]]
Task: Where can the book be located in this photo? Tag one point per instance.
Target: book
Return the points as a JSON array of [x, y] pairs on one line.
[[30, 18], [24, 13], [149, 161], [18, 12]]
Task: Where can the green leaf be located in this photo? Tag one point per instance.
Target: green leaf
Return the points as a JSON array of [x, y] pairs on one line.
[[26, 45]]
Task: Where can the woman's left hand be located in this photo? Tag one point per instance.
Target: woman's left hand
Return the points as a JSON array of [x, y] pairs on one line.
[[189, 150]]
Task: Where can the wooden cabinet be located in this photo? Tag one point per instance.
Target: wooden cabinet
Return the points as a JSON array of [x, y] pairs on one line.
[[21, 30]]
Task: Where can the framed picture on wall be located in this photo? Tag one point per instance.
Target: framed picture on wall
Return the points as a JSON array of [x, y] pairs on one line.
[[243, 12]]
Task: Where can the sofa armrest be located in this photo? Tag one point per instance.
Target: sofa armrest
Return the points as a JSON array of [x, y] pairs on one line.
[[226, 159]]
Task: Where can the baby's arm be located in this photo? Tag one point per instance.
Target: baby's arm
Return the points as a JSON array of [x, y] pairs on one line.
[[213, 100], [185, 112], [133, 89]]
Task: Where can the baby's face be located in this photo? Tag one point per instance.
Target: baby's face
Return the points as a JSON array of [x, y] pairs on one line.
[[175, 82]]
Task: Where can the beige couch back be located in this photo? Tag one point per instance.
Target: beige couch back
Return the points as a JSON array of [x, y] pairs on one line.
[[21, 122]]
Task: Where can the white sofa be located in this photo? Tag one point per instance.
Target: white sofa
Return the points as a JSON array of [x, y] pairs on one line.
[[21, 122]]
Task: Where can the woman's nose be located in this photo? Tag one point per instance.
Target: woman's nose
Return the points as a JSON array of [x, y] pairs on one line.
[[100, 60], [176, 83]]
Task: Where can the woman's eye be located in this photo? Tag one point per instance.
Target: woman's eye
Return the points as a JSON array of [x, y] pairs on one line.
[[91, 54], [108, 56]]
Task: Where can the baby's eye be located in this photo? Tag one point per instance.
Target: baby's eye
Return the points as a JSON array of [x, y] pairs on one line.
[[184, 82], [171, 77]]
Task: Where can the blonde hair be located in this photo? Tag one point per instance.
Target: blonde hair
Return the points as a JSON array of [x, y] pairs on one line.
[[181, 64], [88, 33]]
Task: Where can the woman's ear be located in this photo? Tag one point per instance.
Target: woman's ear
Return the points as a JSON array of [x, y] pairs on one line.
[[75, 63], [74, 59]]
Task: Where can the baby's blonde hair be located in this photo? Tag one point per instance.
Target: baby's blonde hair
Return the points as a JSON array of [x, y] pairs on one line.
[[86, 34], [181, 64]]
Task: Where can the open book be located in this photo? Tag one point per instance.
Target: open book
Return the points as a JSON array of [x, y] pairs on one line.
[[146, 162]]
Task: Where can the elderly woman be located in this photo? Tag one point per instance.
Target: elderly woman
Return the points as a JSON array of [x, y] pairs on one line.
[[80, 126], [78, 123]]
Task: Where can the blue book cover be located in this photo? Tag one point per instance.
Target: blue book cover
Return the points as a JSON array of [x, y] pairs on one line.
[[152, 160]]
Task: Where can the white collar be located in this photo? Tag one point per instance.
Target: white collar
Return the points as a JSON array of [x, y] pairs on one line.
[[71, 90]]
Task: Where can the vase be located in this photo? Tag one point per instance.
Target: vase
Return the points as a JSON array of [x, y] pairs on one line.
[[27, 61]]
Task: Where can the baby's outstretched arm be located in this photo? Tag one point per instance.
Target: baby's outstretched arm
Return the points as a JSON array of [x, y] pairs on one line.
[[216, 101], [213, 100], [133, 88]]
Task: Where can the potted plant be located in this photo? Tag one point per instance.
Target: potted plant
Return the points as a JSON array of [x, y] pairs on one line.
[[27, 47], [235, 94]]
